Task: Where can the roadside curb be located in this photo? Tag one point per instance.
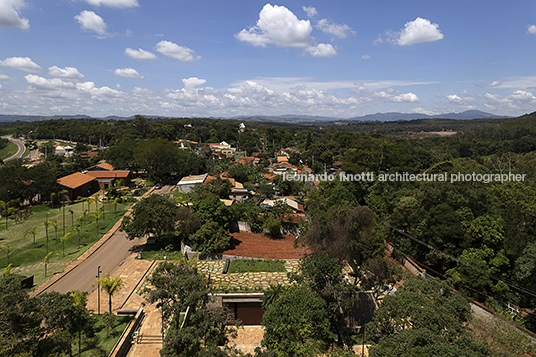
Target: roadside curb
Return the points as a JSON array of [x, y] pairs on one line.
[[41, 288]]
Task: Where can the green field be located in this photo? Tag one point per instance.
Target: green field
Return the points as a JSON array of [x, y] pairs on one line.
[[20, 243], [256, 266], [8, 151]]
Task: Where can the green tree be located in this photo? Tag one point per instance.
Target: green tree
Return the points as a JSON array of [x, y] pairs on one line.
[[154, 214], [176, 286], [423, 318], [297, 323], [110, 286], [96, 216], [47, 258], [54, 224], [32, 231], [63, 239], [78, 231], [210, 238], [6, 251]]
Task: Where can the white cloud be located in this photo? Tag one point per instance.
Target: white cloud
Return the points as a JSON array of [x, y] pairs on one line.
[[277, 25], [192, 82], [89, 20], [418, 31], [178, 52], [365, 57], [114, 3], [21, 63], [321, 50], [339, 30], [391, 95], [421, 110], [9, 14], [310, 11], [406, 97], [127, 73], [67, 72], [47, 84], [139, 54], [531, 29]]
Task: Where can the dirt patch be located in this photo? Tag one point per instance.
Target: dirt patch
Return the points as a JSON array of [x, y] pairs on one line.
[[256, 245]]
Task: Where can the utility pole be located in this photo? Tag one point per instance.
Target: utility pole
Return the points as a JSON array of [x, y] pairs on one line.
[[98, 289]]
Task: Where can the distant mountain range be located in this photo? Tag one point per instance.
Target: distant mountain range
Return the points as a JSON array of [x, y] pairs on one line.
[[467, 115]]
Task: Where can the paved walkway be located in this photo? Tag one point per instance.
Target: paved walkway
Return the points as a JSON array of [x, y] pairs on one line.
[[244, 281]]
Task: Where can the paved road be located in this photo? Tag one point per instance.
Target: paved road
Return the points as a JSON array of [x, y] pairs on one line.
[[21, 148], [109, 256]]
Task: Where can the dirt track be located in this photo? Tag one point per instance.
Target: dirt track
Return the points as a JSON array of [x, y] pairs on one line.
[[260, 246]]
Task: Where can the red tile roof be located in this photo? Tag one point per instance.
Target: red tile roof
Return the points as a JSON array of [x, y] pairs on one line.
[[75, 180], [109, 174]]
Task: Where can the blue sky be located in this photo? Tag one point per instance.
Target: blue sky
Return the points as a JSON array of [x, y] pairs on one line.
[[341, 58]]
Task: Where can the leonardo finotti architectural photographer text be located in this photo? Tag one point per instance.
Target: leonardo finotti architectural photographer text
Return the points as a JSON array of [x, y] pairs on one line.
[[407, 177]]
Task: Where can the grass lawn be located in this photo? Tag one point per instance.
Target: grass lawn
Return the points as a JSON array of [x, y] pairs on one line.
[[101, 344], [8, 151], [256, 266], [168, 246], [21, 246]]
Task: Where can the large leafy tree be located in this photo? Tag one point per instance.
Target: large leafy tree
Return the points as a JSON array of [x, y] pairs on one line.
[[297, 323], [155, 214], [423, 318], [176, 286], [159, 157]]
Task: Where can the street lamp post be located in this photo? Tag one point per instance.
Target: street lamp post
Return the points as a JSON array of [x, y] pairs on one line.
[[98, 289]]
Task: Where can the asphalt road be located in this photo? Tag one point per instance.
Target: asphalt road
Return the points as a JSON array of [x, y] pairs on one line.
[[21, 148], [110, 255]]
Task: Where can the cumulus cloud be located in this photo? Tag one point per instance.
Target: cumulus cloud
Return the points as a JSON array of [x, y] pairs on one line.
[[392, 95], [47, 84], [139, 54], [365, 57], [21, 63], [192, 82], [418, 31], [310, 11], [127, 73], [279, 26], [339, 30], [89, 20], [67, 72], [321, 50], [9, 14], [531, 29], [114, 3], [175, 51]]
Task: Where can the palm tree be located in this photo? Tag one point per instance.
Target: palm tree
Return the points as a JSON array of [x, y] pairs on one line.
[[6, 251], [63, 239], [47, 257], [63, 193], [96, 216], [78, 230], [72, 217], [29, 231], [115, 202], [80, 198], [79, 299], [110, 286], [46, 224], [52, 195], [54, 224]]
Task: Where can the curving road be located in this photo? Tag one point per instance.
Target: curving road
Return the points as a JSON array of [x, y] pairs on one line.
[[20, 151]]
